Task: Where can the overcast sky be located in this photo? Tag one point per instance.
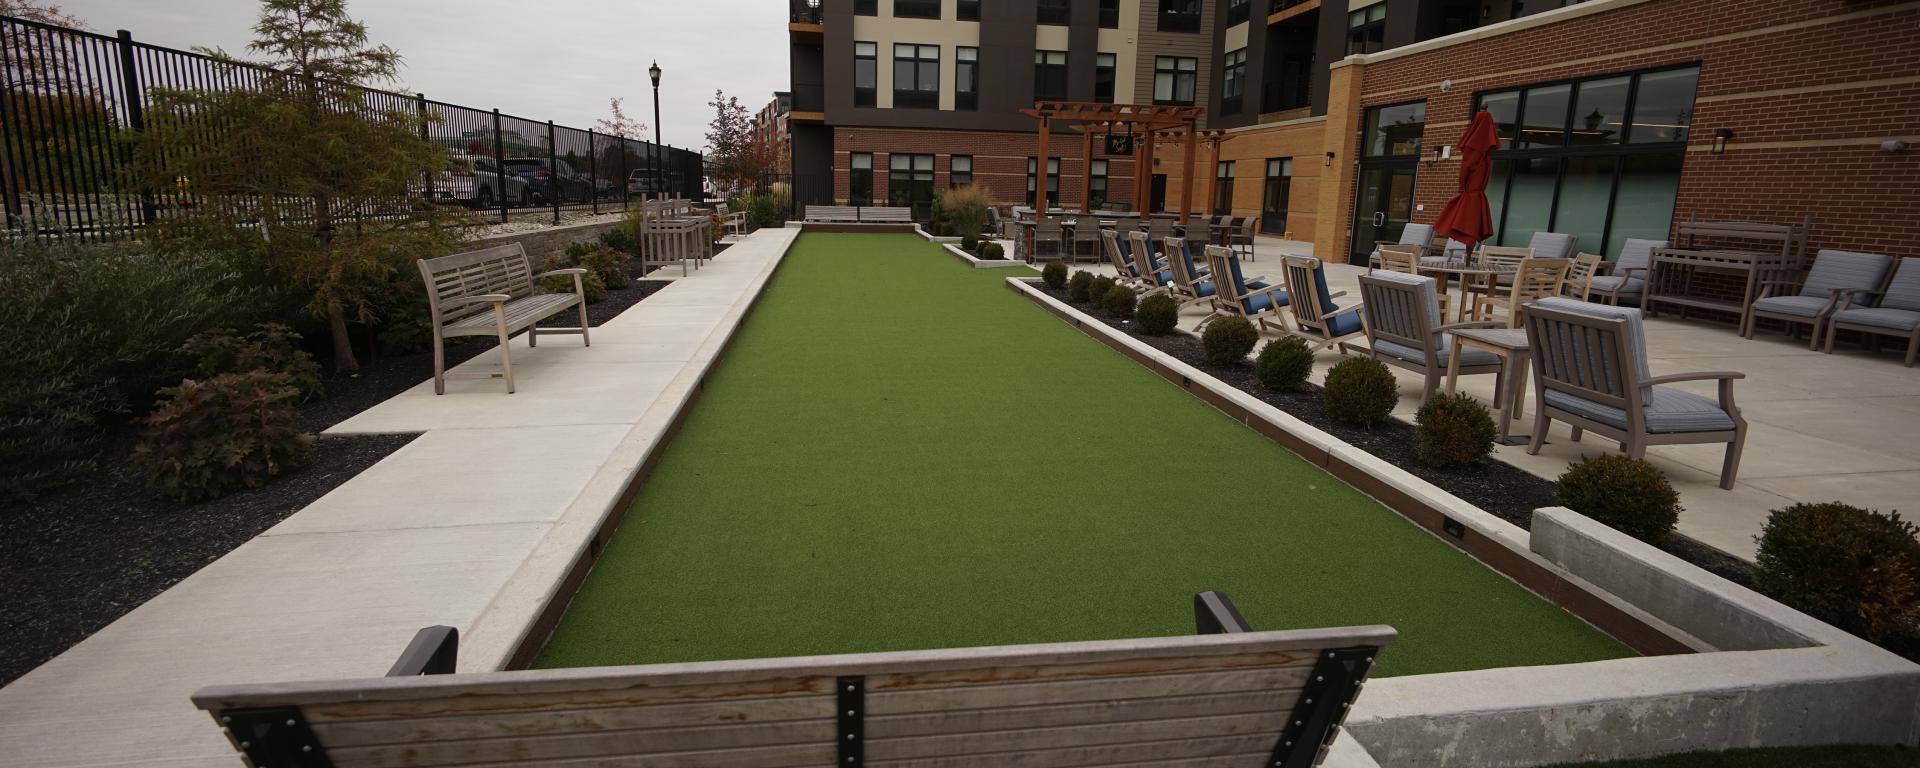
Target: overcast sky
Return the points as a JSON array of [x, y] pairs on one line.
[[554, 60]]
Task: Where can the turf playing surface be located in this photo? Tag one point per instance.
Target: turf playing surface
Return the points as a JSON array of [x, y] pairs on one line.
[[898, 452]]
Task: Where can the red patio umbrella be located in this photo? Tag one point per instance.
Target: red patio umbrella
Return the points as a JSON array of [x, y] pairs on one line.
[[1466, 217]]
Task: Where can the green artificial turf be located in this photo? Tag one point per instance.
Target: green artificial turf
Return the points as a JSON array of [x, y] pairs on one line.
[[898, 452], [1809, 757]]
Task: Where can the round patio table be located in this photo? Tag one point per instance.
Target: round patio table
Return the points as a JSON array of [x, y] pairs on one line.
[[1470, 273]]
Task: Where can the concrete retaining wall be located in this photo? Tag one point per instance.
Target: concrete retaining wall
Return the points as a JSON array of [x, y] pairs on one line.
[[541, 243]]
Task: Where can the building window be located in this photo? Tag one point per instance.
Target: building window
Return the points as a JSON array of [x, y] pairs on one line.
[[916, 9], [1367, 29], [1394, 131], [967, 10], [916, 76], [960, 172], [1049, 75], [1053, 182], [1273, 199], [1173, 79], [910, 183], [1103, 75], [1097, 185], [1597, 158], [1237, 11], [1055, 12], [860, 178], [1223, 188], [1109, 14], [966, 78], [1179, 16], [866, 7], [1234, 81], [866, 72]]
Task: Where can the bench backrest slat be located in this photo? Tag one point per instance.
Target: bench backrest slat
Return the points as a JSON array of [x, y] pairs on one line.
[[832, 213], [499, 269], [886, 214]]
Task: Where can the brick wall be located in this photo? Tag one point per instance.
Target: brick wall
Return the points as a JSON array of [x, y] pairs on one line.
[[999, 160]]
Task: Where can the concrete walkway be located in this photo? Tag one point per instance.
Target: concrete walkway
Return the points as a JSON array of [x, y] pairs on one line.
[[1820, 427], [430, 535]]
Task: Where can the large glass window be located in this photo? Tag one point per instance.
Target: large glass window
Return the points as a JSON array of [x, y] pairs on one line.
[[866, 72], [916, 9], [1103, 69], [1097, 186], [1173, 79], [1233, 81], [1505, 110], [910, 183], [961, 171], [1223, 188], [1367, 29], [1109, 14], [1395, 131], [916, 76], [1179, 16], [1600, 112], [966, 78], [1530, 185], [1643, 205], [1055, 12], [860, 178], [967, 10], [1049, 75], [1543, 121], [1053, 182], [1663, 105], [1237, 11]]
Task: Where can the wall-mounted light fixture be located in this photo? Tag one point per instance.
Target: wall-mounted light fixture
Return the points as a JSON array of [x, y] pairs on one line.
[[1720, 138], [1893, 145], [1329, 162]]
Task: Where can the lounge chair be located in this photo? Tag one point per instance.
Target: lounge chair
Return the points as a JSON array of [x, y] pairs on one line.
[[1403, 328], [1234, 294], [1553, 245], [1626, 277], [1315, 317], [1416, 235], [1155, 276], [1835, 274], [1191, 285], [1114, 246], [1590, 366], [1890, 311]]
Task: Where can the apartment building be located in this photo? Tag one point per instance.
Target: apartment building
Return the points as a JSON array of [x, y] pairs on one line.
[[771, 129], [1617, 116]]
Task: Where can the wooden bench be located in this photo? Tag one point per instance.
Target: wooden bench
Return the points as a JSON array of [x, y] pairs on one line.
[[490, 292], [832, 213], [886, 215], [1227, 697]]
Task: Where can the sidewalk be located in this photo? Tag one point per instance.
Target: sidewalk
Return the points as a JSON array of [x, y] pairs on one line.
[[430, 535]]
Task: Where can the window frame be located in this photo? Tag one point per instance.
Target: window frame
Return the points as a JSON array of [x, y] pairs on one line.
[[1238, 11], [1043, 67], [866, 97], [916, 97], [966, 60], [966, 10], [1233, 81], [1053, 180], [1276, 191], [916, 9], [1369, 33], [1097, 174], [1105, 76], [866, 7], [1109, 14], [858, 178], [1057, 13], [1175, 74], [954, 172], [1178, 16], [1223, 176]]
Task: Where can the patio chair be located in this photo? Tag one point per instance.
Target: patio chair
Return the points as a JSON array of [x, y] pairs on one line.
[[1405, 259], [1113, 245], [1416, 235], [1835, 274], [1241, 240], [1403, 328], [1086, 232], [1895, 313], [1315, 317], [1191, 284], [1234, 294], [1155, 276], [1049, 240], [1493, 256], [1590, 366], [1536, 279], [1579, 282], [1553, 245], [1625, 277], [1159, 227]]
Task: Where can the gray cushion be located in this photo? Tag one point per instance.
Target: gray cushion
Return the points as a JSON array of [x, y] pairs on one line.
[[1902, 320], [1666, 410], [1844, 269], [1797, 306], [1552, 245], [1903, 291], [1421, 283], [1416, 234], [1618, 284], [1468, 357], [1636, 253], [1636, 329]]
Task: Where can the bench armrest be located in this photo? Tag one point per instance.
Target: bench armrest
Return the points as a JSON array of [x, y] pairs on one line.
[[461, 301], [567, 271]]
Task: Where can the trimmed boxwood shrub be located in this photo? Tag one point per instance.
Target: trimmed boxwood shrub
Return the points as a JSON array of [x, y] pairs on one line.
[[1157, 314], [1097, 290], [991, 251], [1453, 430], [1227, 340], [1054, 275], [1079, 287], [1856, 569], [1119, 300], [1361, 391], [1627, 494], [1284, 364], [211, 438], [969, 243]]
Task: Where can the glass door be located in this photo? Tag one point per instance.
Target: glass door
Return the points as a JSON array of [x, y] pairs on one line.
[[1382, 207], [1273, 201]]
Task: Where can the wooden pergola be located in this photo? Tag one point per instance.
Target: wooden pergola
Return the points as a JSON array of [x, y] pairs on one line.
[[1210, 140], [1090, 117]]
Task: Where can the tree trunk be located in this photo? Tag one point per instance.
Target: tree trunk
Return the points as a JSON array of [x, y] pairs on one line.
[[343, 359]]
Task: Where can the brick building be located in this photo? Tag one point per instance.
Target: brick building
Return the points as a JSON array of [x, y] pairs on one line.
[[771, 129]]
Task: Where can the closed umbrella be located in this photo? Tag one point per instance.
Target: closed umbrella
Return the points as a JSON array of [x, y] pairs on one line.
[[1466, 217]]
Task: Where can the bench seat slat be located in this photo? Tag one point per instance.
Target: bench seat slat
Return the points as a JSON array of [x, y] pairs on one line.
[[955, 721], [1173, 682], [349, 733], [1245, 751], [520, 314], [1094, 735], [791, 756], [648, 741]]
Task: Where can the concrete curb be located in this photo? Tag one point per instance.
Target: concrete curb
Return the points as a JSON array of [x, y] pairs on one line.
[[948, 243]]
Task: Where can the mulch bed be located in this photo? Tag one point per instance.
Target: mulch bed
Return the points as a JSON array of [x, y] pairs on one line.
[[78, 558]]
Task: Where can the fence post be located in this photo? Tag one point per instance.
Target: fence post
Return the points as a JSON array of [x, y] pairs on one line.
[[593, 173], [626, 195], [553, 174], [136, 119], [420, 106], [500, 164]]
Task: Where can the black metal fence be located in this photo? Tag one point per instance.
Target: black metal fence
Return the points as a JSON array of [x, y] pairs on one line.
[[71, 103]]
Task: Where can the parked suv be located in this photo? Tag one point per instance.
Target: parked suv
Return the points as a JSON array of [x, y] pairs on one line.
[[645, 182], [474, 181], [552, 180]]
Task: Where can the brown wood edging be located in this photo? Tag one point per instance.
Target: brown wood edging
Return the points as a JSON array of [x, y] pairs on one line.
[[1610, 619], [843, 227], [541, 630]]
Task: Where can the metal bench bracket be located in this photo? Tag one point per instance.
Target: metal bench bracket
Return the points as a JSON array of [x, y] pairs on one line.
[[853, 719], [277, 737], [1324, 700]]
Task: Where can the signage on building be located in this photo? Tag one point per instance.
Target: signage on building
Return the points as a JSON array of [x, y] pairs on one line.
[[1119, 143]]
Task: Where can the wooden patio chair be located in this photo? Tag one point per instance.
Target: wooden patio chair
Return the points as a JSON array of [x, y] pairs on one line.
[[1580, 274], [1835, 275], [1234, 294], [1536, 279], [1590, 371], [1891, 311], [1405, 259], [1315, 317], [1403, 328], [1114, 247], [1049, 239], [1191, 285], [1155, 276], [1626, 276], [1492, 256], [1553, 245], [1415, 235]]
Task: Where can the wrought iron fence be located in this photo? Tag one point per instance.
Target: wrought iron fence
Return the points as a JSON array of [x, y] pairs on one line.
[[72, 104]]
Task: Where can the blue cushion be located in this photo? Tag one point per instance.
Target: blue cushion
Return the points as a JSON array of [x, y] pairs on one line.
[[1666, 410], [1163, 276], [1263, 301], [1345, 324]]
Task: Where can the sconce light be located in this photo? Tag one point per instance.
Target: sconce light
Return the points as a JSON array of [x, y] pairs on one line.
[[1893, 145], [1329, 162], [1720, 138]]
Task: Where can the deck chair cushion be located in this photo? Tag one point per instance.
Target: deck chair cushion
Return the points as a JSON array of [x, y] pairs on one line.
[[1469, 358], [1798, 306], [1344, 324], [1667, 410], [1880, 317], [1844, 269], [1903, 291], [1186, 252], [1260, 302], [1635, 254], [1551, 245], [1426, 286], [1416, 234]]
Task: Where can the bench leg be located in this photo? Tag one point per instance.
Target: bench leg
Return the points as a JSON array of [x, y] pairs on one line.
[[533, 334], [584, 339], [506, 356], [439, 364]]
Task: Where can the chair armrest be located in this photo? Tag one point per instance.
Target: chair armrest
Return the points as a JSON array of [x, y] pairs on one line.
[[461, 301], [1627, 273], [1767, 286], [1336, 294], [1343, 310], [567, 271], [1695, 376], [1451, 327], [1845, 297]]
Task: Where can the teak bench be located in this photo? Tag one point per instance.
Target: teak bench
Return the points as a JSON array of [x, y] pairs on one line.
[[1227, 697], [832, 213], [888, 215], [490, 292]]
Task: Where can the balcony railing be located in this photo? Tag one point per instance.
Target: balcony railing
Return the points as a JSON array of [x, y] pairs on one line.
[[806, 11]]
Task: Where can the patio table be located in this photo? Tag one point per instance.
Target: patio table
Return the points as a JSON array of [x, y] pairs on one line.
[[1512, 347], [1469, 272]]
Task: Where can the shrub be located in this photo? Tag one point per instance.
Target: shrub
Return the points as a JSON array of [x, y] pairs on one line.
[[1079, 288], [1856, 569], [1453, 430], [620, 239], [1157, 314], [1361, 391], [1054, 275], [1284, 364], [613, 266], [1118, 300], [1097, 290], [991, 251], [1227, 340], [1627, 494], [591, 285], [271, 347], [213, 437], [963, 209], [969, 243]]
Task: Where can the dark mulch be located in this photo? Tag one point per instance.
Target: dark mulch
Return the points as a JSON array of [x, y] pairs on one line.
[[78, 558]]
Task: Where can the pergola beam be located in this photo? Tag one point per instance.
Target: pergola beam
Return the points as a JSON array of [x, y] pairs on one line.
[[1151, 119]]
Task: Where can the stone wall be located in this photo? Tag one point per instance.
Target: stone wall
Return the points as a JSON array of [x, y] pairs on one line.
[[541, 243]]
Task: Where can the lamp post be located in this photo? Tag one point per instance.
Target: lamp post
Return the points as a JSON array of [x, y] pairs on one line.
[[659, 184]]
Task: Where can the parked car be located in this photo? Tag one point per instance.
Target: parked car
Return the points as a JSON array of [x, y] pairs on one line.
[[645, 182], [552, 179], [475, 181]]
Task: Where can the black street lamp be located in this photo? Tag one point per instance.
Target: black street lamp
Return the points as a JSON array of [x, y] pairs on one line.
[[659, 184]]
